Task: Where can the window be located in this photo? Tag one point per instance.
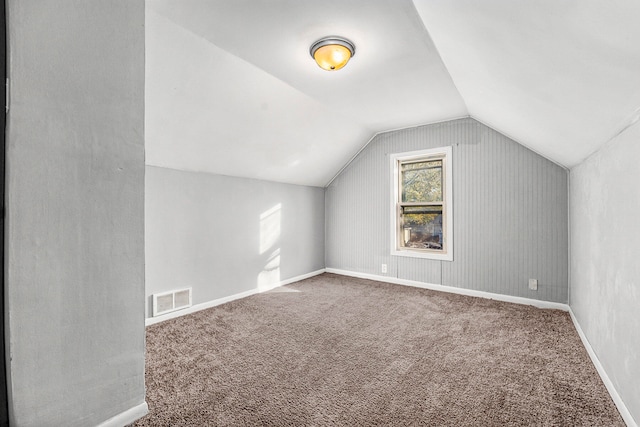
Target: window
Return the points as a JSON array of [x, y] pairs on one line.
[[421, 212]]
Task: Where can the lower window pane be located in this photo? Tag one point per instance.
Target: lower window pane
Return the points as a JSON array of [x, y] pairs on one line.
[[421, 227]]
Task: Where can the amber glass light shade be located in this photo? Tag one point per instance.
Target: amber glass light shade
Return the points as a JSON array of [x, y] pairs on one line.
[[332, 57], [332, 53]]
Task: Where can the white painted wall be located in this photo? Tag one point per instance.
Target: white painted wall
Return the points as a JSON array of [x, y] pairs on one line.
[[223, 235], [605, 259], [75, 234]]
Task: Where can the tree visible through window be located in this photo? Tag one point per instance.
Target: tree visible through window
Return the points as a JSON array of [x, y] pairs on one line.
[[420, 193]]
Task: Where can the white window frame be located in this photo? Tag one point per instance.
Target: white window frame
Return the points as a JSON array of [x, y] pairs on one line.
[[444, 153]]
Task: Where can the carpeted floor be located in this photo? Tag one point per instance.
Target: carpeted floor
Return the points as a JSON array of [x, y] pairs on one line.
[[339, 351]]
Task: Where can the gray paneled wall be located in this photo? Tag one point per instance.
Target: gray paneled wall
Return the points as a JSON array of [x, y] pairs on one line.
[[223, 235], [510, 213]]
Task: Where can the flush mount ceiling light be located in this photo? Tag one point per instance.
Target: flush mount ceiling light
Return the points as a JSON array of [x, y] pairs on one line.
[[332, 53]]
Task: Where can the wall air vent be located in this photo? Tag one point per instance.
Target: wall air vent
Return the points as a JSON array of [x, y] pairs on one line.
[[166, 302]]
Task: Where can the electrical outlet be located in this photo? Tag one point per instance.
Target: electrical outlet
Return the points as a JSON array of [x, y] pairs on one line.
[[384, 268], [533, 284]]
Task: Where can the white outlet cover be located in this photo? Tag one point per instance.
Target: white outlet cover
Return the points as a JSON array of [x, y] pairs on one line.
[[533, 284], [384, 268]]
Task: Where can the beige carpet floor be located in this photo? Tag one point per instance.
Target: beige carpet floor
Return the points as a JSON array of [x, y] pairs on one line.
[[339, 351]]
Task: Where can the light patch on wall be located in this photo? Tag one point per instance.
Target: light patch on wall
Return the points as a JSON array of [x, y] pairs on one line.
[[270, 230], [270, 275]]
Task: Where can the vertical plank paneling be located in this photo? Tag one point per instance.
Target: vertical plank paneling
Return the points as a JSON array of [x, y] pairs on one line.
[[510, 213]]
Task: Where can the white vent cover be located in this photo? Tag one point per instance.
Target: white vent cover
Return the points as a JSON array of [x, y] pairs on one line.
[[166, 302]]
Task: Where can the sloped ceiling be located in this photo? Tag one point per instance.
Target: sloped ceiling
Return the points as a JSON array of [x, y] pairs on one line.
[[561, 77], [231, 88]]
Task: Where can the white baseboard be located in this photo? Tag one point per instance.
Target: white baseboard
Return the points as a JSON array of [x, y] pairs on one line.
[[622, 408], [451, 289], [127, 417], [209, 304]]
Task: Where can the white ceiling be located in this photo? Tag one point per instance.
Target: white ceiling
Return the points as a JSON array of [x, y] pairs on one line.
[[561, 77], [231, 88]]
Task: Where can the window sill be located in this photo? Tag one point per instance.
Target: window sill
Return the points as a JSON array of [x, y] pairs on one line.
[[422, 254]]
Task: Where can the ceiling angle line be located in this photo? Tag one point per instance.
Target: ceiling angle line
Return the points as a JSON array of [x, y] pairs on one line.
[[632, 120], [346, 165]]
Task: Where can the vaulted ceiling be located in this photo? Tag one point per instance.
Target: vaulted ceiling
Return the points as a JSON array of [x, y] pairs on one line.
[[231, 88]]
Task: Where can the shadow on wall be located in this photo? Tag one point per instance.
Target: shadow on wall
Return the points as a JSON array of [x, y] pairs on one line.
[[270, 230]]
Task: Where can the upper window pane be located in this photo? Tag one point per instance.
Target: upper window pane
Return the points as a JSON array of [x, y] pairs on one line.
[[421, 181]]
